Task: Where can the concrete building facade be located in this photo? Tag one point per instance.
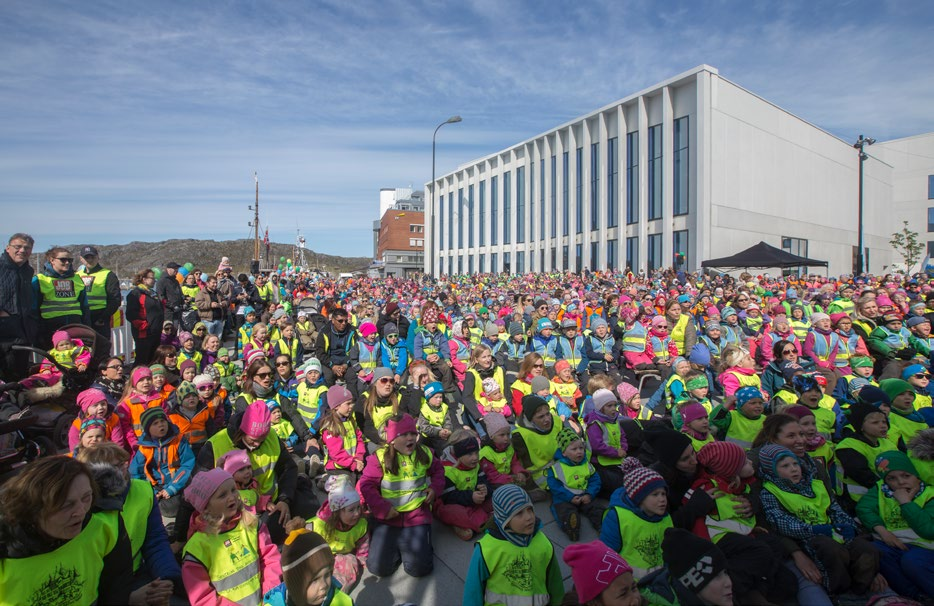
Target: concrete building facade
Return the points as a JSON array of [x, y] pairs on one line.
[[693, 168]]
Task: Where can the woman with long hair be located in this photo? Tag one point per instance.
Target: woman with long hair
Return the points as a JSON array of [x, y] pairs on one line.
[[145, 313]]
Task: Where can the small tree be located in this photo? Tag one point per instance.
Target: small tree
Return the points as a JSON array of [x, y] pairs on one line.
[[905, 243]]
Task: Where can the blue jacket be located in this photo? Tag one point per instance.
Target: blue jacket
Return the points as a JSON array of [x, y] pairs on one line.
[[160, 465], [397, 351], [609, 532], [560, 494], [437, 338]]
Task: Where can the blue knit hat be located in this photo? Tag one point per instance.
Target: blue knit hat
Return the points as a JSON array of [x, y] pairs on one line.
[[433, 389], [638, 481], [770, 455], [744, 395], [508, 500]]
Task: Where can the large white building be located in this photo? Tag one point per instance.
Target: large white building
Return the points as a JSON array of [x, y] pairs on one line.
[[694, 166]]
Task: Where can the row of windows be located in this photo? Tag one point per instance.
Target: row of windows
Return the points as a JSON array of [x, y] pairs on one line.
[[526, 261], [524, 204]]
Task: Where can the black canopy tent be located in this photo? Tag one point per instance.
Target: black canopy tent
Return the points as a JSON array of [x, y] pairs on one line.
[[762, 255]]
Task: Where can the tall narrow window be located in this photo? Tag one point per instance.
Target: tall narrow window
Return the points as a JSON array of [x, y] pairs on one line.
[[482, 263], [612, 183], [452, 219], [459, 218], [579, 257], [679, 191], [594, 256], [566, 196], [680, 244], [632, 254], [494, 262], [482, 201], [470, 216], [441, 224], [541, 200], [579, 202], [507, 262], [507, 208], [494, 215], [632, 178], [554, 197], [564, 257], [520, 205], [655, 252], [531, 201], [655, 172], [520, 258], [594, 187]]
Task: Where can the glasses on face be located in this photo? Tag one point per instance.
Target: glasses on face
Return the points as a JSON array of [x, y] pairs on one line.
[[278, 364], [538, 366], [113, 367], [785, 352], [20, 246], [922, 375], [385, 380], [64, 259], [199, 330], [741, 300], [263, 375], [663, 326], [206, 388], [392, 336], [340, 320]]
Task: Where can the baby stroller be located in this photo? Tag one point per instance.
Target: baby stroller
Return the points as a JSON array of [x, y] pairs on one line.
[[55, 407], [15, 449]]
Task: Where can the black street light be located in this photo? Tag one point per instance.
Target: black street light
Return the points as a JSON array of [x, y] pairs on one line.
[[431, 201], [860, 144]]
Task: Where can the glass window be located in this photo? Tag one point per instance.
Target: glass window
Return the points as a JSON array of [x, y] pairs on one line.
[[594, 256], [541, 260], [931, 219], [655, 252], [564, 257], [520, 205], [796, 246], [655, 172], [554, 258], [611, 255], [470, 264], [482, 263], [679, 245], [566, 195], [541, 199], [459, 217], [931, 249], [507, 208], [507, 262], [494, 262], [554, 198], [594, 185], [482, 234], [460, 265], [930, 187], [520, 260], [680, 168], [632, 254], [494, 219], [579, 254], [531, 200], [470, 216], [450, 266], [579, 202], [612, 182], [632, 178], [441, 223], [452, 219]]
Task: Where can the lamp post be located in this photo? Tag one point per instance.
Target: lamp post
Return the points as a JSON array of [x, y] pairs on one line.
[[431, 202], [860, 144]]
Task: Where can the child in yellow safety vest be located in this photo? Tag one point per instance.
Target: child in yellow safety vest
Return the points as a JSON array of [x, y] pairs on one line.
[[282, 426], [514, 562], [818, 447], [309, 574], [497, 456], [565, 387], [900, 511], [542, 387], [237, 463], [635, 523], [811, 395], [921, 453], [340, 522], [229, 558], [341, 438], [435, 421], [799, 507], [920, 380], [742, 424], [631, 401], [866, 438], [465, 504], [400, 484], [574, 484], [905, 420], [493, 400], [695, 423], [696, 388]]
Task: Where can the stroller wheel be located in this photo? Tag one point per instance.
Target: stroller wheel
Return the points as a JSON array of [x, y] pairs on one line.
[[60, 431], [40, 446]]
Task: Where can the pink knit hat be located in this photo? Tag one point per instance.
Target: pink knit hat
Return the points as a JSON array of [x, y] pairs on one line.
[[658, 321], [724, 459], [254, 355], [140, 373], [204, 485], [89, 397], [59, 336], [394, 429], [367, 329], [693, 411], [594, 566], [626, 392], [256, 422], [233, 461]]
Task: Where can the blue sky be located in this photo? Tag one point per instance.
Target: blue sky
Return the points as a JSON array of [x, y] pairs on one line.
[[141, 120]]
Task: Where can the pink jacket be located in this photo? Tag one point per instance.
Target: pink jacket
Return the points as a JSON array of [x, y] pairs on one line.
[[495, 477], [369, 489], [813, 335], [116, 433], [730, 383], [458, 366], [126, 416], [338, 457], [198, 584]]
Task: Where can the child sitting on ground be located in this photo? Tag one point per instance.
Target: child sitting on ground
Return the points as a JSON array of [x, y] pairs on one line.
[[497, 457], [228, 371], [574, 484], [465, 503], [164, 459], [742, 424], [237, 463], [632, 402], [93, 403], [612, 585], [434, 418], [565, 387], [514, 560], [92, 431], [696, 424], [607, 440], [309, 573], [493, 400], [696, 388], [193, 418]]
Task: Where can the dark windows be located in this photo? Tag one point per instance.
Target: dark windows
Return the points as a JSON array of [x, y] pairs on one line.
[[520, 206], [632, 178], [494, 219], [566, 197], [632, 254], [655, 172], [680, 202], [482, 234], [612, 182], [679, 247], [594, 185], [507, 208], [655, 252], [611, 255], [579, 201]]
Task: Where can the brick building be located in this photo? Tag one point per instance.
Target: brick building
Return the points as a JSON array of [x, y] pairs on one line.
[[400, 240]]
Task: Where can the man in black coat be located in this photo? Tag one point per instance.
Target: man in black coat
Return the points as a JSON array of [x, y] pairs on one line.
[[170, 291], [19, 321], [393, 314]]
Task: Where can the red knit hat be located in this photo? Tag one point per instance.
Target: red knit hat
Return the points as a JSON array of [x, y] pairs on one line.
[[724, 459], [640, 481]]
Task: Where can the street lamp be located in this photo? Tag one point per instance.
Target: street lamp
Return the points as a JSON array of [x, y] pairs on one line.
[[860, 144], [431, 201]]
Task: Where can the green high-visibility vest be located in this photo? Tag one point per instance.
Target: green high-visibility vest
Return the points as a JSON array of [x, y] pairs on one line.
[[232, 561], [641, 541], [891, 513], [406, 489], [94, 285], [517, 574]]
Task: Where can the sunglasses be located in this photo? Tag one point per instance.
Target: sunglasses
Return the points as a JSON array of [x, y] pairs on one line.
[[263, 375], [199, 330], [922, 376], [385, 380], [785, 352], [340, 321], [206, 388], [282, 363], [392, 336], [64, 259], [538, 366]]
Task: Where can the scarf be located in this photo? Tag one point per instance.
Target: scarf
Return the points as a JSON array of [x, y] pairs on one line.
[[520, 540], [888, 491], [263, 392], [112, 387]]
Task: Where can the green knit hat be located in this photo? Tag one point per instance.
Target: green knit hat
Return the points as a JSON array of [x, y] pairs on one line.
[[895, 387], [566, 437], [698, 382], [861, 362], [894, 460], [184, 390]]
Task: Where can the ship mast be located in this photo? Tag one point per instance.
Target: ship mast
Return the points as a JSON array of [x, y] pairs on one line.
[[256, 220]]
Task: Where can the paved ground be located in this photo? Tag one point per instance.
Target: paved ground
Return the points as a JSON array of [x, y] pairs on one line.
[[446, 584]]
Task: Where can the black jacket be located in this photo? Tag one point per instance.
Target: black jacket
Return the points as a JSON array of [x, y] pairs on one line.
[[114, 298], [170, 291], [16, 295]]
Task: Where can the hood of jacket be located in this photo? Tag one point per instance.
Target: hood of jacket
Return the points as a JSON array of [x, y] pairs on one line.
[[113, 485], [147, 440], [921, 446]]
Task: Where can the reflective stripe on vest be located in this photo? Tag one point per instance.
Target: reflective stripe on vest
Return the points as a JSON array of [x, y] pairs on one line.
[[368, 355], [60, 296], [309, 400], [678, 333], [546, 348], [891, 513], [517, 574], [713, 347], [349, 439], [824, 345], [502, 461], [406, 489], [478, 381], [434, 417], [726, 519], [869, 453], [462, 479], [642, 541], [634, 340], [541, 449], [813, 511], [263, 459], [340, 541], [195, 428], [660, 347], [611, 437], [232, 562], [800, 328], [574, 478], [571, 350], [743, 430], [94, 287], [604, 346], [846, 348], [169, 458]]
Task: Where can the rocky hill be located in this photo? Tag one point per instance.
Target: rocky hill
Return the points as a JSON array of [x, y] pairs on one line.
[[126, 259]]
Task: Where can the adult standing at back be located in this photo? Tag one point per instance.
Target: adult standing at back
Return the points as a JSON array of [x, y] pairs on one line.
[[18, 322], [144, 312], [60, 295], [210, 307], [170, 292], [103, 290]]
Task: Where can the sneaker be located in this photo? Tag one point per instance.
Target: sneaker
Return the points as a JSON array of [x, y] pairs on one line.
[[315, 466], [572, 526], [464, 534]]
